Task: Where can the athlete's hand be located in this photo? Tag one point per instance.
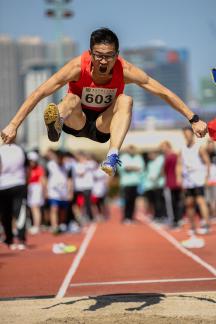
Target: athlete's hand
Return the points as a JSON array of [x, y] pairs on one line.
[[8, 134], [199, 128]]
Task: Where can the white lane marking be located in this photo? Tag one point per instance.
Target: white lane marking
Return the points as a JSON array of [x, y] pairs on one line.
[[174, 242], [76, 261], [132, 282]]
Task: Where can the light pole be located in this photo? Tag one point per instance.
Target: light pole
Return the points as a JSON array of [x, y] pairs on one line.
[[58, 10]]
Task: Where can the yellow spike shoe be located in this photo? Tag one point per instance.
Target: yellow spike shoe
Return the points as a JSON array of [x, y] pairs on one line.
[[53, 122]]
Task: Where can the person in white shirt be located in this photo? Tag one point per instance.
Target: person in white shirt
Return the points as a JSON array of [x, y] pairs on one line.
[[82, 172], [59, 191], [99, 193], [130, 176], [193, 173], [13, 193]]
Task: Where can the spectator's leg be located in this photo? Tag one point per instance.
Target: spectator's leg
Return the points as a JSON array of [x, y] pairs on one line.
[[200, 200], [87, 197], [20, 211], [190, 211], [54, 210], [6, 213], [159, 203], [130, 194], [177, 205]]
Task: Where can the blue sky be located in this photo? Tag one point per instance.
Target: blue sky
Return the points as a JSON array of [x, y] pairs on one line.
[[189, 24]]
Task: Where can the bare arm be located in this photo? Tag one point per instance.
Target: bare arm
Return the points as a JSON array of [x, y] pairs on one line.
[[133, 74], [69, 72], [206, 160]]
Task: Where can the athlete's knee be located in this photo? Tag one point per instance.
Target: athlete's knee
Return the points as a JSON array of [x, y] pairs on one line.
[[124, 103], [125, 100], [72, 101]]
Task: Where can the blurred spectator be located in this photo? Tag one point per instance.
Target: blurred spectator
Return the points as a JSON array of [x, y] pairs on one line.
[[36, 190], [59, 191], [193, 173], [130, 174], [173, 192], [99, 194], [210, 192], [82, 173], [13, 194], [154, 185]]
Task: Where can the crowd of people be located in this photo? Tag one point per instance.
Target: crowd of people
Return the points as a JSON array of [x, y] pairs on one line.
[[64, 191], [59, 191], [174, 184]]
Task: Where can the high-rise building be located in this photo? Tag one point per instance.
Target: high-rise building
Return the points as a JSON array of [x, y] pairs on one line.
[[9, 79], [207, 91], [24, 65], [168, 66], [34, 126]]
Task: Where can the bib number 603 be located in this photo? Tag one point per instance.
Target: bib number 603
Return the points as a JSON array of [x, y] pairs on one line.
[[98, 99]]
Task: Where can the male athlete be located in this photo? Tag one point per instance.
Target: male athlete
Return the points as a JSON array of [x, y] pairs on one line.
[[95, 106]]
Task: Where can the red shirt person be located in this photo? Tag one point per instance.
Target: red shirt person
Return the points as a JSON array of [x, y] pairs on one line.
[[173, 189]]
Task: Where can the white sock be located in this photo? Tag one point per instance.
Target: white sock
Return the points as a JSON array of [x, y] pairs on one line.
[[113, 151]]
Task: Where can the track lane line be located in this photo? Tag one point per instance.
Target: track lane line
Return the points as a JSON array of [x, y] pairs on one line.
[[179, 247], [132, 282], [75, 264]]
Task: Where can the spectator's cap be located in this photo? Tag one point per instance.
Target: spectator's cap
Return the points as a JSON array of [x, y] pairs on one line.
[[33, 156]]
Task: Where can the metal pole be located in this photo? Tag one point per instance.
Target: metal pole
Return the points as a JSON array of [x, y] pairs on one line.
[[58, 12]]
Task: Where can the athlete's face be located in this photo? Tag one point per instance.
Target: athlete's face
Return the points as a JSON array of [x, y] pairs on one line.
[[103, 58]]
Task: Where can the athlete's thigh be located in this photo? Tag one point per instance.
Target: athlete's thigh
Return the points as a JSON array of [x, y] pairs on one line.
[[104, 120], [70, 107]]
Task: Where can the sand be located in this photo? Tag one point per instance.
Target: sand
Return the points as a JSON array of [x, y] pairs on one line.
[[179, 308]]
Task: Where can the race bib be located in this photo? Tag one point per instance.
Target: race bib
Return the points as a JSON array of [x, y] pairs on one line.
[[97, 97]]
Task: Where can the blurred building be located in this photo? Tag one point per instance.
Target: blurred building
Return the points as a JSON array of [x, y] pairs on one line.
[[207, 91], [9, 79], [24, 65], [168, 66], [34, 127], [207, 99]]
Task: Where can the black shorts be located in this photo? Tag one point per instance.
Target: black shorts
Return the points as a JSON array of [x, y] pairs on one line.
[[194, 192], [89, 130]]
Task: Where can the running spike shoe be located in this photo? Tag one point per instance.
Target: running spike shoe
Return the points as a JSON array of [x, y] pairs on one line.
[[53, 122], [109, 166]]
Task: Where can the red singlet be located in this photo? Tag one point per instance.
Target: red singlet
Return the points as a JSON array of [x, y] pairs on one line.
[[36, 173], [93, 96]]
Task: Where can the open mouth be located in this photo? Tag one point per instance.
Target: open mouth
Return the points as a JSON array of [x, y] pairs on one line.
[[103, 69]]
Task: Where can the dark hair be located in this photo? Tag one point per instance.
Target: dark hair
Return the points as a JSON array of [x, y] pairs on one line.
[[104, 36]]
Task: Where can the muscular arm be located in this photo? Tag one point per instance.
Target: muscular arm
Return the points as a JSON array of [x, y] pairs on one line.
[[69, 72], [133, 74]]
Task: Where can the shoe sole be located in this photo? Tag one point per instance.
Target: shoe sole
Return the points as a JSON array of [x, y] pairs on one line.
[[52, 121], [107, 170]]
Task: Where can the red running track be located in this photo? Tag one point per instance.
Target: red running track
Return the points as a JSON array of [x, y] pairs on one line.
[[111, 258]]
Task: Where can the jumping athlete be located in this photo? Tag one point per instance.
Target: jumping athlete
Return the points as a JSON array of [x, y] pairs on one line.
[[95, 106]]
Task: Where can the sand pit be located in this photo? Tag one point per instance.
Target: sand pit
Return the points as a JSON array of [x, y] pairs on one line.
[[126, 308]]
